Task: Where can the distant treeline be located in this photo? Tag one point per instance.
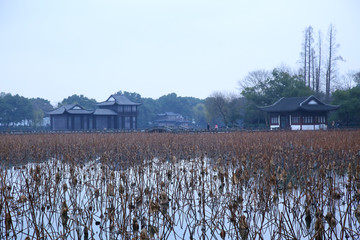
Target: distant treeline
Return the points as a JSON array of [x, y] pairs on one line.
[[259, 88]]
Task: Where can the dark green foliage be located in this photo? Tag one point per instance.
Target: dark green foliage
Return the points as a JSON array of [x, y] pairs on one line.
[[83, 101], [42, 104], [199, 114], [349, 112], [14, 109], [40, 108]]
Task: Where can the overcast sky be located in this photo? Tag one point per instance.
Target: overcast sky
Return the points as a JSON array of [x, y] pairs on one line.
[[53, 49]]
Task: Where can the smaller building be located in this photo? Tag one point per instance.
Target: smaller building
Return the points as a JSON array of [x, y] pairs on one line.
[[117, 112], [170, 119], [298, 113]]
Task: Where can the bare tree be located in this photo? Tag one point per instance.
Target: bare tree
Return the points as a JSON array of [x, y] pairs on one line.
[[332, 58], [313, 57], [347, 81], [310, 50], [216, 106], [318, 70], [305, 53], [308, 54], [356, 78], [254, 78], [224, 107]]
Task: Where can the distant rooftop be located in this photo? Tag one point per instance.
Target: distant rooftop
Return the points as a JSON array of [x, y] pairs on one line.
[[70, 108], [291, 104], [118, 99]]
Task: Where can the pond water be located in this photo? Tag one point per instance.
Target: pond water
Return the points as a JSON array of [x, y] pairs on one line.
[[173, 199]]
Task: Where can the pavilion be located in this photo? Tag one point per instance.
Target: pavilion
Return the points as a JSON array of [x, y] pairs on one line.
[[298, 113]]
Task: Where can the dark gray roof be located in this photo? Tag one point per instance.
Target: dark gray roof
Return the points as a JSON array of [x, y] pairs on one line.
[[169, 114], [71, 109], [118, 99], [102, 111], [292, 104]]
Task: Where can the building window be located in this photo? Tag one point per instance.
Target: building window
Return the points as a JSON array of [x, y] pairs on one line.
[[133, 108], [308, 119], [274, 120], [320, 119], [127, 108], [134, 122], [295, 120], [323, 119], [120, 108], [127, 122]]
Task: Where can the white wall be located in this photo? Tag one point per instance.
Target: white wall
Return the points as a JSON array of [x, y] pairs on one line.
[[309, 127]]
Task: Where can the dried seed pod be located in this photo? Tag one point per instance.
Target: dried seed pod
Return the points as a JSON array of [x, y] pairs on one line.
[[139, 199], [234, 179], [74, 180], [169, 174], [110, 190], [330, 219], [144, 235], [350, 169], [64, 214], [357, 172], [97, 192], [121, 189], [147, 191], [275, 197], [243, 228], [57, 178], [154, 207], [290, 186], [8, 220], [86, 233], [319, 228], [135, 225], [283, 175], [164, 199], [153, 230], [22, 199], [223, 234], [65, 187], [308, 217]]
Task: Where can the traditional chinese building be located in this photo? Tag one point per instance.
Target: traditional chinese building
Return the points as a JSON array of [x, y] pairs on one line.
[[298, 113], [117, 112], [170, 119]]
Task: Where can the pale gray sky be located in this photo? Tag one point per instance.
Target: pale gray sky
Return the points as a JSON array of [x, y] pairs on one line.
[[53, 49]]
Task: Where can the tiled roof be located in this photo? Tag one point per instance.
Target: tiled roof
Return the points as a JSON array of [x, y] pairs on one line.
[[291, 104], [71, 109], [101, 111], [118, 99]]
